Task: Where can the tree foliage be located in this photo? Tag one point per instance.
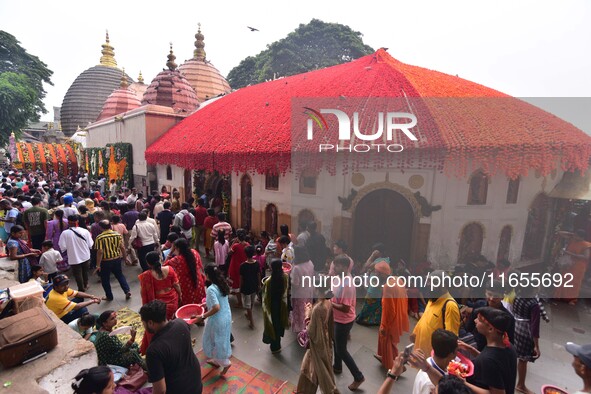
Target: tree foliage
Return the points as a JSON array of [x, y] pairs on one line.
[[21, 86], [310, 47]]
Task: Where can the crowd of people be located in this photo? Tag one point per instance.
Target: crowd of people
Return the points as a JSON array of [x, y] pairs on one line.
[[56, 229]]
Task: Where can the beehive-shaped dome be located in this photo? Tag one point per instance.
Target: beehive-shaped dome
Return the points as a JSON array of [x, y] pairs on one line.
[[85, 98], [201, 74], [120, 101], [170, 89]]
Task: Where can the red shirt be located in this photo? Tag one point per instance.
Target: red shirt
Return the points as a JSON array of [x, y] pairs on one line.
[[200, 215], [210, 221]]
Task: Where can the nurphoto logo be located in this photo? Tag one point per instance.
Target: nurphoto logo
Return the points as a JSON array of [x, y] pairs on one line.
[[388, 121]]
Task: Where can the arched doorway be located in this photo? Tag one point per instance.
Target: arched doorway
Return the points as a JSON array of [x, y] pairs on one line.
[[387, 217], [188, 184], [246, 202], [221, 191], [271, 218], [471, 241]]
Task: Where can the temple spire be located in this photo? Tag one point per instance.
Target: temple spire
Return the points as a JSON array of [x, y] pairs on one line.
[[170, 63], [199, 52], [124, 84], [108, 58], [140, 78]]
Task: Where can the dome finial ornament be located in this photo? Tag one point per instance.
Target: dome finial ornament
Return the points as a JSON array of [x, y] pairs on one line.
[[140, 78], [170, 63], [124, 83], [108, 58], [199, 52]]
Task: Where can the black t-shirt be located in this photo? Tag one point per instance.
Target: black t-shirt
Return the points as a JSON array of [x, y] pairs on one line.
[[165, 218], [481, 339], [495, 368], [250, 277], [170, 356]]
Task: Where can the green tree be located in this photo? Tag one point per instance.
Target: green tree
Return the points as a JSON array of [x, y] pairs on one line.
[[21, 86], [312, 46]]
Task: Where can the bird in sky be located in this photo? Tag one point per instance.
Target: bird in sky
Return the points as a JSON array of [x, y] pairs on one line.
[[252, 28]]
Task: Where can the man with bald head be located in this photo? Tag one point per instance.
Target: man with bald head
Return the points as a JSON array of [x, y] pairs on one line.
[[109, 253]]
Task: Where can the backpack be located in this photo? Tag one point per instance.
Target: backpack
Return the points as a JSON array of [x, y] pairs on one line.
[[187, 222]]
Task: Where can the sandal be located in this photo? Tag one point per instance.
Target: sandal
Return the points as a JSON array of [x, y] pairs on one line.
[[355, 385], [225, 370]]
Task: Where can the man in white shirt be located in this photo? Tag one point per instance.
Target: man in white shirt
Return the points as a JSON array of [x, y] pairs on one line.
[[76, 242], [445, 346], [179, 220], [132, 198]]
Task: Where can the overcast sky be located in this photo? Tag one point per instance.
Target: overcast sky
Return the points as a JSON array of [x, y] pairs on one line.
[[525, 48]]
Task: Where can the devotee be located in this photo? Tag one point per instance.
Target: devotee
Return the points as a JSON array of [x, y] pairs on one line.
[[9, 218], [59, 303], [340, 247], [84, 325], [238, 256], [221, 225], [164, 219], [250, 281], [200, 215], [526, 312], [581, 364], [343, 304], [371, 311], [109, 349], [49, 259], [284, 244], [442, 311], [300, 295], [221, 248], [316, 370], [76, 242], [96, 380], [185, 220], [210, 221], [316, 245], [18, 249], [189, 268], [394, 319], [216, 336], [275, 310], [109, 253], [579, 251], [35, 219], [55, 228], [445, 347], [171, 361], [148, 236]]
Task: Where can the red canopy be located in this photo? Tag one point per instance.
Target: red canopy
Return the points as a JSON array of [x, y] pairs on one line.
[[463, 123]]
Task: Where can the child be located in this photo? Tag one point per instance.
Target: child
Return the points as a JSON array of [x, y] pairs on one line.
[[221, 248], [83, 325], [39, 276], [49, 259], [250, 281]]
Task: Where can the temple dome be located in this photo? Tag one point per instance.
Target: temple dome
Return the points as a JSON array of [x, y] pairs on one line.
[[139, 87], [202, 75], [170, 89], [84, 99], [121, 100]]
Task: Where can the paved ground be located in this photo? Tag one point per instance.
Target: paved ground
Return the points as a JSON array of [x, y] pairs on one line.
[[567, 324]]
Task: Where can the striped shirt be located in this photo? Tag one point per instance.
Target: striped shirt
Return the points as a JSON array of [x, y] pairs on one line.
[[109, 242]]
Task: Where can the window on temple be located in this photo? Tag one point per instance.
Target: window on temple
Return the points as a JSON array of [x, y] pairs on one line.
[[470, 243], [478, 188], [308, 182], [271, 181], [504, 243], [168, 173], [512, 191]]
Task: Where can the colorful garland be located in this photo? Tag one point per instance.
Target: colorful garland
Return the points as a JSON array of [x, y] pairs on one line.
[[114, 161]]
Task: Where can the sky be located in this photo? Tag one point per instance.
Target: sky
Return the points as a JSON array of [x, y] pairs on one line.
[[524, 48]]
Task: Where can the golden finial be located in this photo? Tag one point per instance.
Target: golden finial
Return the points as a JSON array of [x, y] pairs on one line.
[[124, 84], [108, 58], [199, 52], [140, 78], [170, 63]]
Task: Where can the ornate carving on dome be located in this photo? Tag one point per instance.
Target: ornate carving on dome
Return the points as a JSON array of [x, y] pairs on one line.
[[199, 52], [140, 78], [108, 58], [171, 57]]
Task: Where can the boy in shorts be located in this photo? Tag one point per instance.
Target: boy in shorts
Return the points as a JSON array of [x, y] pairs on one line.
[[250, 282]]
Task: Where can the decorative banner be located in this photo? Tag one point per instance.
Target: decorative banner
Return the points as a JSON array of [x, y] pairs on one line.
[[47, 157], [114, 161]]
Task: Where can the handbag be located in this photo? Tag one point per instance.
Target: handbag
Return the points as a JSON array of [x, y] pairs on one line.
[[137, 242], [134, 379]]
